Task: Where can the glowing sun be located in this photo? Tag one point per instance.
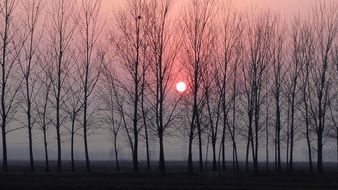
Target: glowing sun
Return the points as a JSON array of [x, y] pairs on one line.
[[181, 87]]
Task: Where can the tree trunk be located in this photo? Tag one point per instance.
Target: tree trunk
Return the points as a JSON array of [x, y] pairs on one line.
[[46, 149], [267, 142], [116, 154], [135, 153], [200, 151], [190, 163], [29, 125], [288, 136], [206, 154], [214, 162], [31, 149], [147, 147], [292, 132], [247, 153], [308, 138], [337, 142], [320, 152], [4, 147], [58, 137], [86, 149], [72, 144], [223, 147], [278, 128], [145, 123], [162, 161], [58, 97]]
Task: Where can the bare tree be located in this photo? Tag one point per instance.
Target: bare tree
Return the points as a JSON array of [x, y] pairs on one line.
[[230, 54], [163, 51], [325, 25], [110, 98], [196, 22], [293, 84], [43, 104], [91, 57], [308, 51], [29, 65], [73, 105], [259, 31], [61, 30], [278, 60], [129, 44], [12, 43]]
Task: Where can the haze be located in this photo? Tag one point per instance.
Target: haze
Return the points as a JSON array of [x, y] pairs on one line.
[[101, 147]]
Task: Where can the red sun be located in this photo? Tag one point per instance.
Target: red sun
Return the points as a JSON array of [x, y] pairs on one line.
[[181, 87]]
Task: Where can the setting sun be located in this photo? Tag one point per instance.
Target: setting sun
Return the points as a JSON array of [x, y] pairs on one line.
[[181, 86]]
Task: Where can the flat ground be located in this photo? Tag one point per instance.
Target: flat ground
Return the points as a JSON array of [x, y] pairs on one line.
[[176, 178]]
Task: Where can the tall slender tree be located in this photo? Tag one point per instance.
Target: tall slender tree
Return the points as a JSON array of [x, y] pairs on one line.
[[129, 45], [29, 65], [163, 51], [11, 45], [196, 21], [61, 29], [91, 57]]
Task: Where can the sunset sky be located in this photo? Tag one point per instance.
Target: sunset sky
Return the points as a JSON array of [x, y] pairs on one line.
[[285, 7], [101, 146]]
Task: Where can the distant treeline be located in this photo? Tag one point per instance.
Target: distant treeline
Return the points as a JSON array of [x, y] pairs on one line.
[[253, 77]]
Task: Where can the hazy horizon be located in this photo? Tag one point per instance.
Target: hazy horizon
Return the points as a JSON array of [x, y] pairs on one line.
[[100, 144]]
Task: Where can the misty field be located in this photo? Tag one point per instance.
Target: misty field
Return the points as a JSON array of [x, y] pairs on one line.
[[105, 177]]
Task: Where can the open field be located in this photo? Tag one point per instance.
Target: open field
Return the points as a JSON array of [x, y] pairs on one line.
[[176, 178]]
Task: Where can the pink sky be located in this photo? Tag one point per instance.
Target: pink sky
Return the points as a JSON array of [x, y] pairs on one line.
[[285, 7]]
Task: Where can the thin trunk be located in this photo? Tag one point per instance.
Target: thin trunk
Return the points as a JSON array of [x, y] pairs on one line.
[[3, 92], [72, 143], [136, 95], [31, 149], [4, 147], [214, 161], [309, 147], [28, 99], [200, 151], [278, 128], [85, 136], [308, 136], [29, 123], [162, 161], [145, 121], [288, 135], [320, 152], [267, 139], [256, 122], [223, 146], [233, 135], [116, 154], [86, 89], [225, 122], [247, 153], [337, 143], [190, 163], [292, 130], [194, 119], [135, 152], [86, 150], [46, 149], [147, 147], [58, 97], [206, 154]]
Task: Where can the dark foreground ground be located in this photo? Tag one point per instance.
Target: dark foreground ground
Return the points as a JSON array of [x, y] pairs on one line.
[[176, 178]]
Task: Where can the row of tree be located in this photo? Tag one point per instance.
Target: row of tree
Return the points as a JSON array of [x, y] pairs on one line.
[[253, 78]]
